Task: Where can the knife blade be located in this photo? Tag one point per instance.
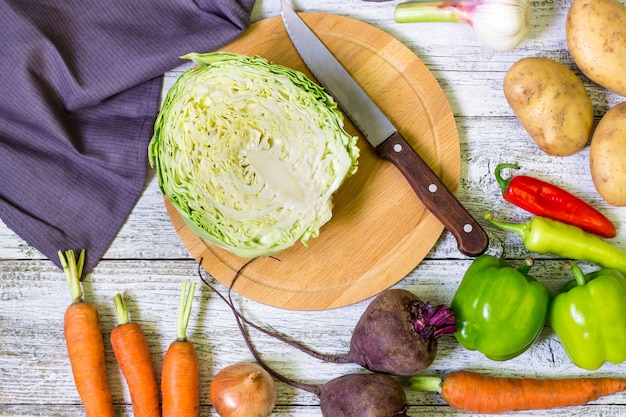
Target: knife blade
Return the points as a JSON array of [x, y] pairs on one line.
[[383, 135]]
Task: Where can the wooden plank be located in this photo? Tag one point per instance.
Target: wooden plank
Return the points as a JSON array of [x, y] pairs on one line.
[[147, 261]]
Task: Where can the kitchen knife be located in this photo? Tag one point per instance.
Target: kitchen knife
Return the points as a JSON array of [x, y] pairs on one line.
[[383, 136]]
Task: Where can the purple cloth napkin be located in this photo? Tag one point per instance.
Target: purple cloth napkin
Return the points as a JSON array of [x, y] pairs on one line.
[[80, 83]]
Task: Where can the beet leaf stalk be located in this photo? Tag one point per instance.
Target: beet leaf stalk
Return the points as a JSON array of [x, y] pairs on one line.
[[397, 334], [432, 322]]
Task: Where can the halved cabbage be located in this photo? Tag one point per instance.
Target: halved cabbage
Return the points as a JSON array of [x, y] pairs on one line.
[[250, 153]]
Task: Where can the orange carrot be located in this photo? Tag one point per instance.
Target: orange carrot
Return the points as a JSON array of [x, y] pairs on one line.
[[133, 356], [180, 376], [483, 394], [85, 345]]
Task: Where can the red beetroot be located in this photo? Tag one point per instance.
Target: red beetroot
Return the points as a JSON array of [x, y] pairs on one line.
[[396, 334]]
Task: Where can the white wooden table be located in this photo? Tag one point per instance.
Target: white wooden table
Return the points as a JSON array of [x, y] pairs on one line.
[[147, 261]]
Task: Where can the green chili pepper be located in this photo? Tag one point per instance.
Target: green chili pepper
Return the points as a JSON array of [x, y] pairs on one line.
[[589, 317], [499, 310], [543, 235]]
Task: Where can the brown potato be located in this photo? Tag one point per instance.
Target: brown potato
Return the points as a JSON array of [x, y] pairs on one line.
[[551, 103], [596, 37], [607, 156]]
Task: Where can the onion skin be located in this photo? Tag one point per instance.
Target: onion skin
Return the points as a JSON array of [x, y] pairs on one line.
[[243, 390]]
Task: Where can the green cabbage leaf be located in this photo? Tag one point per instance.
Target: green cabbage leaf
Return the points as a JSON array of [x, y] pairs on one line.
[[250, 153]]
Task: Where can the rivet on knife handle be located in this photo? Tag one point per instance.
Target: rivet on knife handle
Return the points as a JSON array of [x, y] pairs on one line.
[[438, 199]]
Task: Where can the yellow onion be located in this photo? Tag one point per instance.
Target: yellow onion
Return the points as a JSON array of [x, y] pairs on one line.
[[243, 390]]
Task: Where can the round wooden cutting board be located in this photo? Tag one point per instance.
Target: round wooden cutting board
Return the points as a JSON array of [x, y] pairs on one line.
[[380, 231]]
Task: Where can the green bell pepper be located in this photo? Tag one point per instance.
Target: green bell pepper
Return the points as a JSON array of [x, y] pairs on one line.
[[589, 317], [499, 310]]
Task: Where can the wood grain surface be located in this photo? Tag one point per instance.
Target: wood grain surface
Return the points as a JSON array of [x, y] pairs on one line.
[[148, 260]]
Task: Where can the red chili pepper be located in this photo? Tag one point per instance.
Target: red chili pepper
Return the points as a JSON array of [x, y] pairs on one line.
[[548, 200]]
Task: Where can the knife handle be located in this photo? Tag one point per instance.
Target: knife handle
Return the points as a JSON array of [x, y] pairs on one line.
[[438, 199]]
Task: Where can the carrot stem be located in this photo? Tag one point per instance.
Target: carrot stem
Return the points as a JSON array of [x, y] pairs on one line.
[[426, 383], [184, 310], [73, 272], [121, 310]]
